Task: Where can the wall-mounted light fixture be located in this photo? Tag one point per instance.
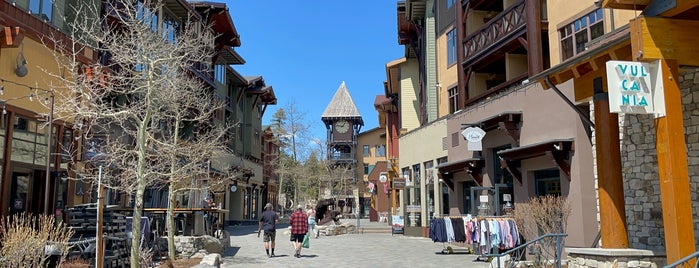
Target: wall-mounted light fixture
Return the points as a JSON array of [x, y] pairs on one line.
[[21, 69]]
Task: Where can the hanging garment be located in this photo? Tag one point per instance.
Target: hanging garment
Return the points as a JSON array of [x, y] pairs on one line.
[[437, 230], [459, 230], [494, 233], [450, 230], [467, 228]]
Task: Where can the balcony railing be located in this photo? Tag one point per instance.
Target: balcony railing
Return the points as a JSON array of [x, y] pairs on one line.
[[497, 29], [342, 156]]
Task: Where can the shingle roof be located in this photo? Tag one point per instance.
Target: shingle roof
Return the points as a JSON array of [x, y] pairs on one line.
[[341, 105]]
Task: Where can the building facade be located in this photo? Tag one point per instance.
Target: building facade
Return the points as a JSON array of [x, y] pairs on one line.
[[371, 153]]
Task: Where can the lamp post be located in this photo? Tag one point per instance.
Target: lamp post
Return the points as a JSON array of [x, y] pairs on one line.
[[47, 191]]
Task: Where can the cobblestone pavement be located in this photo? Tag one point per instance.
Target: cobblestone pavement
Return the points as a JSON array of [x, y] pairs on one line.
[[349, 250]]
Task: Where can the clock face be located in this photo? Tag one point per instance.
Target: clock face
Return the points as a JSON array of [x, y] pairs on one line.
[[342, 126]]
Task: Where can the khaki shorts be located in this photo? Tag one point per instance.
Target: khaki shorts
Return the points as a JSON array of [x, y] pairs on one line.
[[269, 236]]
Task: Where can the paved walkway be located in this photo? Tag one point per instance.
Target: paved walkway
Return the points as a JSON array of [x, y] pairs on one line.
[[371, 249]]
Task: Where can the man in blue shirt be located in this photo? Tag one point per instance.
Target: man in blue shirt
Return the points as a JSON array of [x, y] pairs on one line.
[[268, 223]]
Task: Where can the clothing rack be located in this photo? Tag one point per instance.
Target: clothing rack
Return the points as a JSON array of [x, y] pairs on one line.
[[479, 247], [448, 249]]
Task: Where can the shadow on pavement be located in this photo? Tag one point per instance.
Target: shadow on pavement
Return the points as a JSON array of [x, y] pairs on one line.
[[242, 230]]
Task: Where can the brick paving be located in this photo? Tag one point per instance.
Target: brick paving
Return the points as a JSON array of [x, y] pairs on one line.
[[375, 247]]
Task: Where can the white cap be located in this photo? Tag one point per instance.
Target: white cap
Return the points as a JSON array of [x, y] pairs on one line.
[[299, 207]]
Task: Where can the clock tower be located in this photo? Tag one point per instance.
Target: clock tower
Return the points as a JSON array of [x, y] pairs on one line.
[[343, 123]]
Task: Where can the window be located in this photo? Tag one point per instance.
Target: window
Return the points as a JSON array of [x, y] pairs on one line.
[[43, 9], [575, 35], [171, 28], [380, 150], [220, 73], [429, 172], [453, 100], [367, 153], [451, 47], [450, 3], [147, 16], [416, 175], [366, 169], [548, 182]]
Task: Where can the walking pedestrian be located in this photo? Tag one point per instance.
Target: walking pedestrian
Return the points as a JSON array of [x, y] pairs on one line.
[[312, 221], [299, 228], [268, 223]]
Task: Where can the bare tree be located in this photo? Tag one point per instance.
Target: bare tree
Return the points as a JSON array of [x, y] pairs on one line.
[[144, 114], [191, 142]]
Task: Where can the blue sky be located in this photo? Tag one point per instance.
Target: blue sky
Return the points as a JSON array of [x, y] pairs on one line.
[[306, 48]]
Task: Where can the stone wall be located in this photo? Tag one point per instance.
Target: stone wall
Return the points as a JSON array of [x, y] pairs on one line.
[[640, 167], [613, 258], [189, 245]]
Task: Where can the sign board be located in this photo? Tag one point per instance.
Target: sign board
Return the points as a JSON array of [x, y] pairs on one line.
[[413, 208], [632, 87], [399, 184], [484, 199], [397, 224], [474, 136]]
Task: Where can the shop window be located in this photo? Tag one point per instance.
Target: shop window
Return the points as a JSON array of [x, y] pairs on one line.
[[416, 174], [548, 182], [576, 35]]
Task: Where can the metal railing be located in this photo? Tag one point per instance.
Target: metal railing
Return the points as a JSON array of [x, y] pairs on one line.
[[547, 250], [689, 261]]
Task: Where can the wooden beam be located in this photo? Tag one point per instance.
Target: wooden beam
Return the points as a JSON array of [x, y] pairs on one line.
[[11, 36], [559, 158], [511, 129], [661, 38], [626, 4], [513, 166], [672, 169]]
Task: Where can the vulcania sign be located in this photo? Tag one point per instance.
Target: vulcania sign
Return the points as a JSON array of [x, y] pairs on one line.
[[635, 87]]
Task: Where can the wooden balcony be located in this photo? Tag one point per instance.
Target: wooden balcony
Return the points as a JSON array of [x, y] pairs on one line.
[[505, 25]]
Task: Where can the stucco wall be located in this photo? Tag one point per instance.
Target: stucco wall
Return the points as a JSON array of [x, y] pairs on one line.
[[554, 120], [423, 144], [562, 12]]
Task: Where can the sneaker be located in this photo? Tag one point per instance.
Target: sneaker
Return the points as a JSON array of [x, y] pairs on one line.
[[298, 255], [269, 256], [273, 255]]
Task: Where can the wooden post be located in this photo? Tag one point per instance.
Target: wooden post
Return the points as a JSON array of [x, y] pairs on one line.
[[672, 169], [611, 188], [99, 260]]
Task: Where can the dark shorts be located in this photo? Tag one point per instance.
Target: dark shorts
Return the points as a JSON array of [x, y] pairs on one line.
[[297, 237], [269, 236]]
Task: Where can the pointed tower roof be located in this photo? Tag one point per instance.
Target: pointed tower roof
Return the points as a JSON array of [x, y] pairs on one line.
[[342, 106]]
